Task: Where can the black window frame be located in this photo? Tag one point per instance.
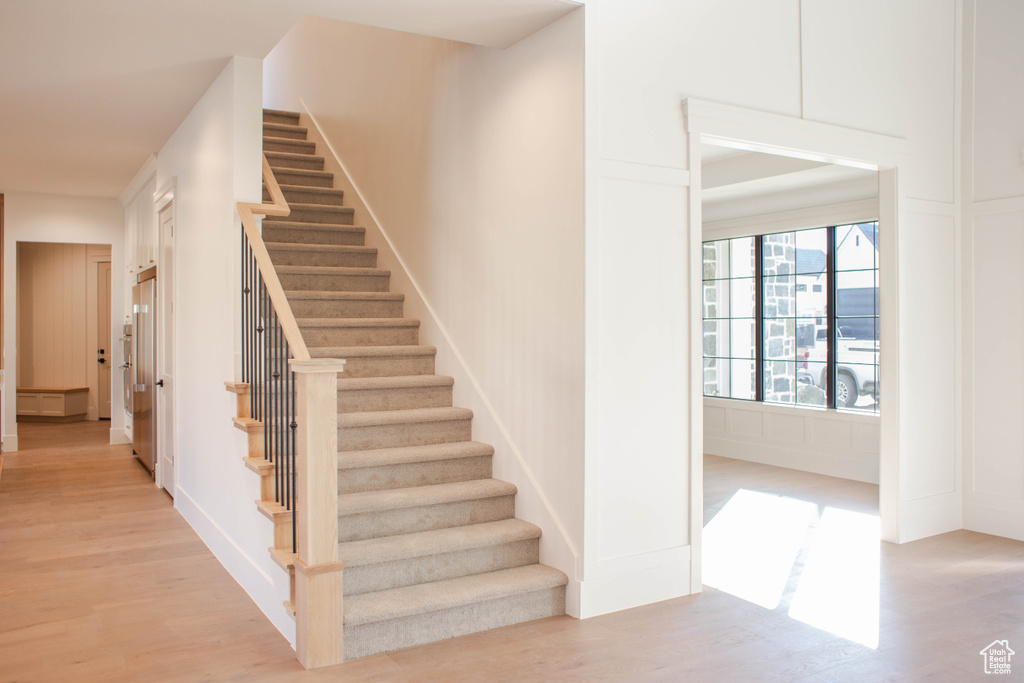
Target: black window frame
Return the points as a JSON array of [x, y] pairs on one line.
[[832, 318]]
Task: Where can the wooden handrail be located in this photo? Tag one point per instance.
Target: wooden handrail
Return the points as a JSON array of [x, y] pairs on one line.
[[278, 206]]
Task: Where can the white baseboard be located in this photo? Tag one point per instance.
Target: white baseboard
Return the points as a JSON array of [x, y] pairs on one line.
[[10, 443], [265, 590], [633, 589], [933, 515], [767, 454], [996, 520], [118, 436]]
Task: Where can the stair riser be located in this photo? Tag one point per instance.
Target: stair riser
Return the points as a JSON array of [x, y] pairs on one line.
[[403, 398], [424, 518], [271, 233], [413, 474], [290, 146], [406, 434], [282, 133], [342, 215], [361, 336], [280, 118], [450, 565], [307, 162], [284, 177], [334, 308], [305, 282], [310, 195], [369, 639], [323, 258], [388, 366]]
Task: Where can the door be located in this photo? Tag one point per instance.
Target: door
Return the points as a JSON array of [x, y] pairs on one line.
[[103, 354], [144, 428], [165, 350]]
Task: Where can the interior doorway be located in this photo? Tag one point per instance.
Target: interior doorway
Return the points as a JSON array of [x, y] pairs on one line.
[[790, 262], [779, 210], [63, 322]]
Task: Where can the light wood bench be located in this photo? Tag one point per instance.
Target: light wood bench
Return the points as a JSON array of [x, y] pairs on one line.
[[52, 404]]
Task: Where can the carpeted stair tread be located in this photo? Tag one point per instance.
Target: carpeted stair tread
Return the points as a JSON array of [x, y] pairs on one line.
[[409, 416], [398, 382], [275, 144], [304, 177], [336, 248], [382, 457], [329, 295], [357, 322], [299, 207], [386, 351], [280, 112], [429, 597], [420, 496], [304, 195], [435, 542], [287, 130], [330, 270], [290, 161], [324, 227]]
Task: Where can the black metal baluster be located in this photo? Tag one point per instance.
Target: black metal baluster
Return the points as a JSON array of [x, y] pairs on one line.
[[265, 358], [272, 396], [294, 426], [251, 285], [245, 321], [286, 419], [279, 398]]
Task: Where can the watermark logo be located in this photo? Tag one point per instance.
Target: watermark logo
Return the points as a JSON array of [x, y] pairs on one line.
[[997, 657]]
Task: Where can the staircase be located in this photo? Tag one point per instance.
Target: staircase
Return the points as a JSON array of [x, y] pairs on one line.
[[430, 542]]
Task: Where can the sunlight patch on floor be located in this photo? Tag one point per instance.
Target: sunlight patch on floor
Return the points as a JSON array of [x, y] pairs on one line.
[[751, 544], [838, 589], [760, 543]]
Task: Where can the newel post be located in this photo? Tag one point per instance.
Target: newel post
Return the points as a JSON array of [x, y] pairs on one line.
[[318, 606]]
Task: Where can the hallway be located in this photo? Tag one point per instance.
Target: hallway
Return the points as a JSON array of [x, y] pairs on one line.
[[103, 580]]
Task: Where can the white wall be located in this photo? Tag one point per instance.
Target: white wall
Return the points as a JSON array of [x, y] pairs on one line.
[[57, 218], [214, 156], [873, 65], [472, 160], [993, 250]]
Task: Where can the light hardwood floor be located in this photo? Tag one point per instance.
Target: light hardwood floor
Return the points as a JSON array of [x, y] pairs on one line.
[[103, 581]]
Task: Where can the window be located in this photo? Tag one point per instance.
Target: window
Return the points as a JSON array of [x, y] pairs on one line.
[[730, 318], [792, 318]]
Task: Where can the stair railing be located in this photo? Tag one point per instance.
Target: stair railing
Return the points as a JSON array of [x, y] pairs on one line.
[[294, 398]]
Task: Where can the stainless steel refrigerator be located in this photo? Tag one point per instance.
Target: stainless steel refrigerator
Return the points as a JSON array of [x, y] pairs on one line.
[[144, 368]]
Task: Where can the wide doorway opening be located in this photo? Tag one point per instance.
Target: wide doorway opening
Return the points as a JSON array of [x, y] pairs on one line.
[[64, 373], [791, 387]]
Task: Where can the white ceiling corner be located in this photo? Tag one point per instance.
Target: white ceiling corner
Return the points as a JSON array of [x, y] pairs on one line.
[[91, 89]]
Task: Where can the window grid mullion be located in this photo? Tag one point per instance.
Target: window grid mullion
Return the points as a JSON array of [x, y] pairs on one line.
[[759, 318], [830, 316]]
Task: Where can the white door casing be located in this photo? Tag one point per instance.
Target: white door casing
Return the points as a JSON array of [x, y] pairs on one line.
[[165, 410], [731, 126]]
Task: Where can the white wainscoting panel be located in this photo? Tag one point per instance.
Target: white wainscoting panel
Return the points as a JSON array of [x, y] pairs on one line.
[[838, 444]]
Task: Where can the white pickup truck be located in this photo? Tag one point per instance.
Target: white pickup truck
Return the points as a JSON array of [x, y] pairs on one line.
[[856, 369]]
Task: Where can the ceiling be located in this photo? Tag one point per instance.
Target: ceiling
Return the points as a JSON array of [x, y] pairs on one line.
[[737, 183], [90, 89]]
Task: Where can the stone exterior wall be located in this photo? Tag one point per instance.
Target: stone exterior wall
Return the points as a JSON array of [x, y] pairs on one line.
[[779, 259]]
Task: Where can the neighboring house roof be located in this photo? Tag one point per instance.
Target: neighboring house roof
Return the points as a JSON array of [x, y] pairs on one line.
[[869, 231], [810, 261]]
